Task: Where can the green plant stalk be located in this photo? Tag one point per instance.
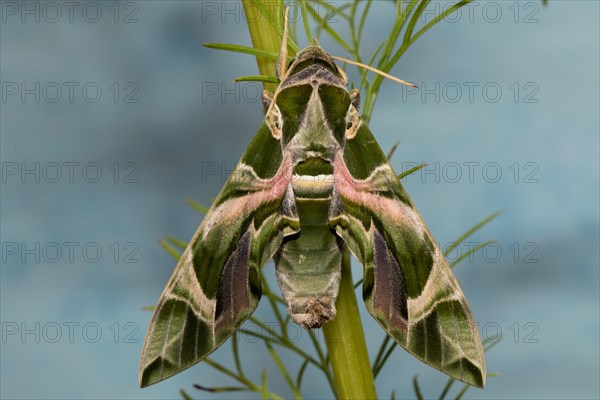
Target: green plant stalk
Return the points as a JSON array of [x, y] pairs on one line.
[[344, 336], [264, 36], [346, 343]]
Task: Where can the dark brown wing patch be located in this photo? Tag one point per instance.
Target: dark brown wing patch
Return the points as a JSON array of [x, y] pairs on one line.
[[389, 293]]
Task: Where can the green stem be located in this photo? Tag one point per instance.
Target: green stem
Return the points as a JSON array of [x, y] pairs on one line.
[[346, 343], [264, 35]]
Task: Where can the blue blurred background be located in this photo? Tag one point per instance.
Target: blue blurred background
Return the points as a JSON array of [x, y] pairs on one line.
[[113, 114]]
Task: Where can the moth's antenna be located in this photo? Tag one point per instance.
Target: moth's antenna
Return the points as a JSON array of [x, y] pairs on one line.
[[284, 44], [372, 69], [283, 72]]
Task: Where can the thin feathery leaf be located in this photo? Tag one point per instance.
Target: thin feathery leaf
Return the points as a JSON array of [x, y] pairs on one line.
[[243, 380], [306, 22], [490, 343], [236, 48], [272, 335], [279, 340], [413, 21], [259, 336], [221, 368], [236, 355], [283, 371], [385, 358], [382, 348], [257, 78], [197, 206], [364, 81], [471, 251], [462, 392], [363, 18], [176, 242], [172, 252], [471, 231], [273, 299], [324, 364], [220, 389], [392, 150], [324, 360], [447, 387], [404, 13], [301, 374], [334, 8], [438, 18], [263, 387], [386, 63], [325, 26], [417, 389], [411, 171], [354, 37], [318, 348], [320, 353]]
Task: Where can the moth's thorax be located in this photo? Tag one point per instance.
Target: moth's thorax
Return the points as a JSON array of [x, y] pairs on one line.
[[313, 179], [312, 133]]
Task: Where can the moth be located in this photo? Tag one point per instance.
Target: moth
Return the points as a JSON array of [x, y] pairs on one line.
[[312, 181]]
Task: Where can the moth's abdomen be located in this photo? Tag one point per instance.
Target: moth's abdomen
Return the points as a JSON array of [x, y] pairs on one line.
[[308, 264], [309, 281]]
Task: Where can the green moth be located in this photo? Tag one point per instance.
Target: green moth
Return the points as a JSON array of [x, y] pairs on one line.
[[312, 181]]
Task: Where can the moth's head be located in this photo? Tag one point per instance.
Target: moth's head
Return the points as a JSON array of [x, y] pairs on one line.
[[309, 56], [313, 111]]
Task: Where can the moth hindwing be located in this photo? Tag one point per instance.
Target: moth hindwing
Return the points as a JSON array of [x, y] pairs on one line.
[[312, 181]]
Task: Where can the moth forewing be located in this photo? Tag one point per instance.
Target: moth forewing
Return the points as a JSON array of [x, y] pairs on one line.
[[216, 284], [408, 286]]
